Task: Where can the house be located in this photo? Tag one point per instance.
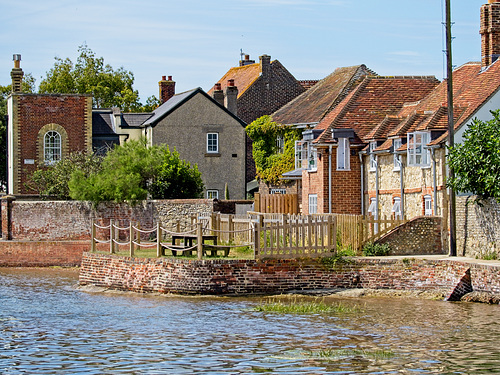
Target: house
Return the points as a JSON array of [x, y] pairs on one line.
[[263, 88]]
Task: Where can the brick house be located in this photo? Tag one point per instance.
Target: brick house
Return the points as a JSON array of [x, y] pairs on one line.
[[263, 88], [42, 129]]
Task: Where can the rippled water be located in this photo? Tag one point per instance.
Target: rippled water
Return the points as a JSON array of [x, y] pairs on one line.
[[49, 327]]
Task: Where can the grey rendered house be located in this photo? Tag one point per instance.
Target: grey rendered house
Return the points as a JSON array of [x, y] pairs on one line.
[[206, 133]]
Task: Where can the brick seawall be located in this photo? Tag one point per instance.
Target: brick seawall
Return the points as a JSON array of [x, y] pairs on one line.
[[233, 277]]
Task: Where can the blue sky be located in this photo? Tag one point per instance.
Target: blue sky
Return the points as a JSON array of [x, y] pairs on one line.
[[197, 41]]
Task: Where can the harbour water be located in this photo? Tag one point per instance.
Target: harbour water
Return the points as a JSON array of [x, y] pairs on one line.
[[48, 326]]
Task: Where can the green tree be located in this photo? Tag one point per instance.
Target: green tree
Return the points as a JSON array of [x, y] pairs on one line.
[[133, 172], [270, 162], [476, 161], [90, 75]]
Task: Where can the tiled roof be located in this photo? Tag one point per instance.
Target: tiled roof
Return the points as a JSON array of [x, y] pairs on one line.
[[244, 77], [371, 101], [169, 106], [312, 105]]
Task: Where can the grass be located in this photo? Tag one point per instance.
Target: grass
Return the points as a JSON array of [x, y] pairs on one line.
[[490, 256], [296, 306], [332, 354]]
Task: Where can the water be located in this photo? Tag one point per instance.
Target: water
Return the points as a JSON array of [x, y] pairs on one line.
[[49, 327]]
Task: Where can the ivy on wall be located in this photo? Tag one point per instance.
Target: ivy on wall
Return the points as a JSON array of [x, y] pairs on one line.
[[270, 163]]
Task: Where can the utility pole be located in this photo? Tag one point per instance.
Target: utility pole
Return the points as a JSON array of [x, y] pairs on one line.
[[451, 130]]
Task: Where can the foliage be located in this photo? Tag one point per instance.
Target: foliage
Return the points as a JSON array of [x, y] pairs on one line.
[[316, 306], [109, 87], [376, 249], [476, 161], [54, 180], [269, 162], [134, 171], [28, 86], [335, 354]]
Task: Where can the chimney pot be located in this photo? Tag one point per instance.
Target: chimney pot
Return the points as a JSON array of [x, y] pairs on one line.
[[247, 57], [218, 86], [230, 82], [169, 78], [163, 78], [167, 89]]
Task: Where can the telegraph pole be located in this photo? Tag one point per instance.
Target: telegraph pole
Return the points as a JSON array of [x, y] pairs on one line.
[[451, 130]]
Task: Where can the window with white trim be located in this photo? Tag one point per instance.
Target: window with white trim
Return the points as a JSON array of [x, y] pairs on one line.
[[313, 203], [52, 147], [213, 194], [396, 143], [212, 142], [278, 191], [373, 164], [418, 156], [280, 144], [343, 155], [372, 209], [312, 157], [396, 208], [427, 205]]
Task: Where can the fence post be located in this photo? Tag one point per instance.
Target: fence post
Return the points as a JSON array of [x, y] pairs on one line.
[[93, 234], [199, 240], [138, 226], [230, 226], [111, 237], [256, 240], [159, 251], [131, 238], [329, 232], [256, 204]]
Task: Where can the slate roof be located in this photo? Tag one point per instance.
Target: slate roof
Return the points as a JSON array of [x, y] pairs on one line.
[[371, 102], [314, 104], [102, 123]]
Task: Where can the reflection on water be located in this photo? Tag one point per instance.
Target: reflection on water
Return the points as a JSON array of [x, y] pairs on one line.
[[47, 327]]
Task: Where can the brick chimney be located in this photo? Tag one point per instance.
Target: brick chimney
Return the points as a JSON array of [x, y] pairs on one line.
[[490, 32], [231, 97], [218, 94], [167, 88], [265, 66], [246, 61], [17, 74]]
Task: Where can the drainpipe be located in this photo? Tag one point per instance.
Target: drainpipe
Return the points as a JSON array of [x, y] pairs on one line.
[[400, 163], [434, 182], [330, 179], [362, 183], [376, 190]]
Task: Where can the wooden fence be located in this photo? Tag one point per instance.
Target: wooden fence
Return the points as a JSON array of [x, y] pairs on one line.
[[276, 203]]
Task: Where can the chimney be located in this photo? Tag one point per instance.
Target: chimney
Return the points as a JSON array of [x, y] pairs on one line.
[[167, 88], [17, 74], [490, 32], [231, 97], [246, 61], [218, 94], [265, 66]]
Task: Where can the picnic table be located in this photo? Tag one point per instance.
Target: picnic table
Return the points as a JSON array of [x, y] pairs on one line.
[[186, 242]]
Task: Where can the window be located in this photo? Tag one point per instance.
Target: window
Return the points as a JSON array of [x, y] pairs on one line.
[[428, 205], [343, 154], [396, 208], [313, 159], [373, 206], [300, 154], [213, 142], [280, 144], [278, 191], [418, 156], [52, 147], [212, 194], [396, 143], [313, 203], [373, 163]]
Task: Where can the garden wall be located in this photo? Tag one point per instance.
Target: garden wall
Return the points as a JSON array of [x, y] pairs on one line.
[[478, 228], [279, 276]]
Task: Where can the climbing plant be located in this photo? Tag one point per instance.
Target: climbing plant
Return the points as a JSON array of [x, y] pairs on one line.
[[270, 161]]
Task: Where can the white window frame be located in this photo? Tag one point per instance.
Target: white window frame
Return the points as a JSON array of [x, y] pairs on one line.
[[212, 194], [343, 155], [418, 156], [52, 147], [278, 191], [312, 158], [212, 143], [396, 143], [300, 154], [313, 203], [373, 164], [280, 144], [427, 205], [396, 208], [372, 209]]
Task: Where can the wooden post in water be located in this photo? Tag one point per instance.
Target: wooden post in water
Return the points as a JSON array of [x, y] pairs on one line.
[[199, 240]]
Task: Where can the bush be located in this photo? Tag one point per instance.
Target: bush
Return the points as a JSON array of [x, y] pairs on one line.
[[376, 249]]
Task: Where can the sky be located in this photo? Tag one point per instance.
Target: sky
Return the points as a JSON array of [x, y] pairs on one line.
[[197, 41]]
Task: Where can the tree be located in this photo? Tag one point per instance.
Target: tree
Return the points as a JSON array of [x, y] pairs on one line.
[[476, 161], [109, 87], [133, 172], [270, 162]]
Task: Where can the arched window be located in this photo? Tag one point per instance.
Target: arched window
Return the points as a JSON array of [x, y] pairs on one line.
[[52, 147]]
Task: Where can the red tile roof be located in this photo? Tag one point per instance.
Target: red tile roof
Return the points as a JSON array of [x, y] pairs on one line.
[[244, 77]]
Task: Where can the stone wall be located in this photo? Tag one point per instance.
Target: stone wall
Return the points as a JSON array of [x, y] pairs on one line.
[[478, 227], [279, 276], [422, 235]]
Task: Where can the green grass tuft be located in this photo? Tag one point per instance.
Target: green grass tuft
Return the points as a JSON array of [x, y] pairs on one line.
[[316, 306]]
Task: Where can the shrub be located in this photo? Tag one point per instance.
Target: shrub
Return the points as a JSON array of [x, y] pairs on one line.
[[376, 249]]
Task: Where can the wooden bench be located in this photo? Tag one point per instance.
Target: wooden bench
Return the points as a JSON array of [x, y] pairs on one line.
[[215, 249]]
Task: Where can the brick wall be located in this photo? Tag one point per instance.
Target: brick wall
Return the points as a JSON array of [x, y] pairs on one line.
[[422, 235], [277, 276], [478, 227]]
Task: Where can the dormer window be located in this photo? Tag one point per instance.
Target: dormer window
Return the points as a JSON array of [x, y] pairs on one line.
[[343, 155], [373, 163], [418, 156]]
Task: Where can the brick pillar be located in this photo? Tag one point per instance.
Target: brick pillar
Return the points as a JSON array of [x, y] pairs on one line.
[[490, 32], [7, 216]]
